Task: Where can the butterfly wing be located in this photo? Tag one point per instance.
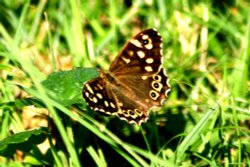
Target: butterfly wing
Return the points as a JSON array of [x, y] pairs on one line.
[[139, 65], [144, 47], [135, 81], [106, 98], [98, 97]]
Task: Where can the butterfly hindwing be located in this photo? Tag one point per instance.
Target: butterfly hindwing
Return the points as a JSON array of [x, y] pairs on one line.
[[98, 97]]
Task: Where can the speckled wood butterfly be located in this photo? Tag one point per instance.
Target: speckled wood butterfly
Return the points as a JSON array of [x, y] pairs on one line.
[[134, 83]]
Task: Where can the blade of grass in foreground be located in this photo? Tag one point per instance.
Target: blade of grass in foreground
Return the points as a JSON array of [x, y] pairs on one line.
[[190, 138]]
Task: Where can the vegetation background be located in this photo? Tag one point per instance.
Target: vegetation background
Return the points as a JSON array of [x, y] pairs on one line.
[[46, 47]]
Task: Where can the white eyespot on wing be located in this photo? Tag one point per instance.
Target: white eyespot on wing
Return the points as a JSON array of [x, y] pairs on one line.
[[144, 77], [130, 53], [89, 89], [138, 112], [149, 60], [141, 54], [108, 112], [145, 36], [100, 87], [99, 95], [157, 78], [153, 94], [87, 94], [157, 86], [148, 68], [94, 100], [106, 103], [149, 46], [112, 105], [101, 110], [136, 43], [120, 104], [126, 59], [132, 113]]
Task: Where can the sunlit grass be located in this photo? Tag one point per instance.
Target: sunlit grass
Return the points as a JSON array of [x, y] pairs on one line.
[[206, 47]]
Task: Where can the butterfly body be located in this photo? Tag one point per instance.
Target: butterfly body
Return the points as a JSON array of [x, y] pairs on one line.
[[134, 83]]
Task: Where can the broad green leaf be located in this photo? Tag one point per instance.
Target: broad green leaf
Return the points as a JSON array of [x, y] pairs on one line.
[[66, 86], [22, 141]]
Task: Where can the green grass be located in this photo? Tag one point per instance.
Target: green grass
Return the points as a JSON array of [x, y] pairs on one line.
[[204, 122]]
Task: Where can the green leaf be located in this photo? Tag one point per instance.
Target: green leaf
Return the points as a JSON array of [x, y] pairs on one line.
[[22, 141], [66, 86], [63, 86]]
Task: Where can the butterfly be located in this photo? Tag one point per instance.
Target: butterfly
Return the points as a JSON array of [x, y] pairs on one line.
[[134, 83]]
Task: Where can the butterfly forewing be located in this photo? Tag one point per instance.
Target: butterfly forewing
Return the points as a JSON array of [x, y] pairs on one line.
[[139, 53], [135, 82]]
